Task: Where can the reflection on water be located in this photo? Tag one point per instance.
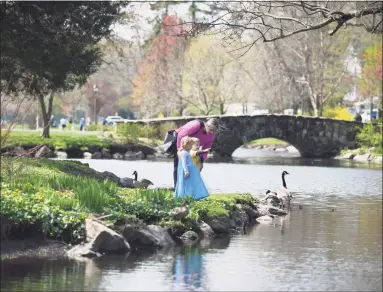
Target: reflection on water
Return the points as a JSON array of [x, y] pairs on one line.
[[313, 249]]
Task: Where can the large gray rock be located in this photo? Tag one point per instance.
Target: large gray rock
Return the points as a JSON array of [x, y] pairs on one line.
[[347, 156], [266, 219], [104, 239], [118, 156], [292, 149], [251, 212], [362, 158], [82, 251], [87, 155], [97, 155], [106, 155], [151, 236], [206, 230], [44, 151], [267, 210], [140, 155], [189, 237], [239, 218], [61, 154], [219, 224], [129, 155]]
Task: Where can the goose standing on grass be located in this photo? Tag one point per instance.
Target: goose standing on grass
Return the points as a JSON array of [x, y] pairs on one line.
[[144, 183], [283, 194]]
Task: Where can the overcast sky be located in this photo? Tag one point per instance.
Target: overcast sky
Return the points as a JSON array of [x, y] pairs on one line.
[[142, 9]]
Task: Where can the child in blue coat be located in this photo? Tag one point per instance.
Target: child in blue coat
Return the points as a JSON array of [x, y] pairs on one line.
[[189, 181]]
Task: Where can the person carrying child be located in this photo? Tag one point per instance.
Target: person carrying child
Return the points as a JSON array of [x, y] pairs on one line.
[[189, 181]]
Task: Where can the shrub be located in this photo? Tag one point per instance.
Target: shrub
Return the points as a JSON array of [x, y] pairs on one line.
[[130, 132], [164, 128], [370, 135], [339, 113], [149, 132]]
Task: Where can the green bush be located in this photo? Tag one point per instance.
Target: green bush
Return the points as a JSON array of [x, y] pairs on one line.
[[164, 128], [370, 135], [130, 132], [41, 208], [149, 132]]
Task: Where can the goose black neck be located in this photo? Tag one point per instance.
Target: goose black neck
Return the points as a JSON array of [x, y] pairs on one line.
[[283, 181], [135, 176]]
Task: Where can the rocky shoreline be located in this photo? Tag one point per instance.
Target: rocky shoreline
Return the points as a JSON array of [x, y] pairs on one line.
[[361, 158], [114, 151], [134, 235], [273, 147]]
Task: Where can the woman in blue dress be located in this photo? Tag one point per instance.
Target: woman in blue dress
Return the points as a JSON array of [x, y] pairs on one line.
[[189, 181]]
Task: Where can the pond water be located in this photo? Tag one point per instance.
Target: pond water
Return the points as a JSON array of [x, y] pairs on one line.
[[313, 249]]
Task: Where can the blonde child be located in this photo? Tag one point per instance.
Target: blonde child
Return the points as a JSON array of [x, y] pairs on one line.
[[189, 181], [196, 152]]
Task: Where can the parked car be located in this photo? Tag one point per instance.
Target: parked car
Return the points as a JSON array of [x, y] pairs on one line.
[[110, 120]]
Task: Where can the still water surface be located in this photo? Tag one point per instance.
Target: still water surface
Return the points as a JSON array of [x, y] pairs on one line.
[[313, 249]]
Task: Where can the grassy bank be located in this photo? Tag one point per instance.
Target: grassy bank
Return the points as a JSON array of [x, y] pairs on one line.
[[65, 140], [267, 141], [62, 140], [54, 198]]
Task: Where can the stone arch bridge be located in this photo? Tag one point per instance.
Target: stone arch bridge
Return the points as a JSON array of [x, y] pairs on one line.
[[313, 137]]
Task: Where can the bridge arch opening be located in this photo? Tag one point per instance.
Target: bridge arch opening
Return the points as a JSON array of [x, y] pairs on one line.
[[269, 146]]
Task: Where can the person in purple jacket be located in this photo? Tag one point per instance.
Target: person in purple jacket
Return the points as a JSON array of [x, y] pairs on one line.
[[204, 131]]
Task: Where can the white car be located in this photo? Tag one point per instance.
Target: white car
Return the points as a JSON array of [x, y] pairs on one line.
[[112, 119]]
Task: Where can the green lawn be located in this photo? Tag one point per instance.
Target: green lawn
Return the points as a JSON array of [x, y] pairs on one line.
[[58, 140], [268, 141]]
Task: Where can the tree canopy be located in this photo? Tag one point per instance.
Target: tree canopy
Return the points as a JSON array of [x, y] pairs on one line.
[[52, 45], [273, 20]]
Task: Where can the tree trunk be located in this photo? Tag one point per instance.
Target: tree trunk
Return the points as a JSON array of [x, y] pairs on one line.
[[46, 113]]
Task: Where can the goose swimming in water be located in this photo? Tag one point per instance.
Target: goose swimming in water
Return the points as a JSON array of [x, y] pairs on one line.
[[283, 194], [144, 183]]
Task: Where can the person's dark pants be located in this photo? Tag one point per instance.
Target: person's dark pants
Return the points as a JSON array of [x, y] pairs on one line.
[[175, 169]]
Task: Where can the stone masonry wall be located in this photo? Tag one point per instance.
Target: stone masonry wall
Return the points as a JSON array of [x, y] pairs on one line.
[[313, 137]]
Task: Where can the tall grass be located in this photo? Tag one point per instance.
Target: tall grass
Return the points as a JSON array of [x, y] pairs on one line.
[[90, 194]]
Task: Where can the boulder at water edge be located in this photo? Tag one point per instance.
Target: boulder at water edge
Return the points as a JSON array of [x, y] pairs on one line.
[[99, 239], [219, 224], [252, 213], [267, 210], [151, 236], [206, 230], [189, 237], [104, 239], [265, 219], [238, 219]]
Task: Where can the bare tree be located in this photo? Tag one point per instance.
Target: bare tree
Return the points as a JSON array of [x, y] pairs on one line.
[[273, 20], [210, 78]]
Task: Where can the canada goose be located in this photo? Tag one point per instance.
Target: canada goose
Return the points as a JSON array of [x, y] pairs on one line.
[[180, 213], [144, 183], [283, 193]]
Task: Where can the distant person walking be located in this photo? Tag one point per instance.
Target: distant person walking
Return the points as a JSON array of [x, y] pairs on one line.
[[82, 124], [358, 117], [63, 123]]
